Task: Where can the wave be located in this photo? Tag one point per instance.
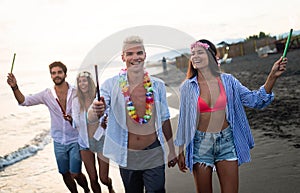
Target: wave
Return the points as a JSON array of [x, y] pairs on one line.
[[28, 150]]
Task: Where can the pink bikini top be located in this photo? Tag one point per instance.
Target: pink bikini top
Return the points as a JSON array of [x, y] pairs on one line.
[[219, 105]]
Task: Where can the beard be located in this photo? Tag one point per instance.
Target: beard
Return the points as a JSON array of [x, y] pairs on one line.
[[58, 81]]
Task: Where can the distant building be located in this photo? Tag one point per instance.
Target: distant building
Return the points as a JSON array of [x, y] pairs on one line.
[[251, 46], [246, 47]]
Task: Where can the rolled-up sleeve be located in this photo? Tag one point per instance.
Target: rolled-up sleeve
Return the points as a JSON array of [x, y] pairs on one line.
[[258, 99], [34, 99]]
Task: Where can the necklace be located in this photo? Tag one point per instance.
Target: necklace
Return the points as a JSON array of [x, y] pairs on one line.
[[123, 83]]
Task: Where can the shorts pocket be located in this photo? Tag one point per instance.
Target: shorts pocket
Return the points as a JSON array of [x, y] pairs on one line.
[[199, 136]]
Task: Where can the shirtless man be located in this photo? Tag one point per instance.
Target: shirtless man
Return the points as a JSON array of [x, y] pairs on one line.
[[138, 122]]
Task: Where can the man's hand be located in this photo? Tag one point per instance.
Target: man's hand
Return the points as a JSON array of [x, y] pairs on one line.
[[104, 121], [99, 107], [172, 159], [68, 118], [11, 80]]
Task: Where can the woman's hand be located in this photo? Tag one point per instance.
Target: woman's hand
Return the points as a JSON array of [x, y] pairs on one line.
[[279, 67], [181, 162]]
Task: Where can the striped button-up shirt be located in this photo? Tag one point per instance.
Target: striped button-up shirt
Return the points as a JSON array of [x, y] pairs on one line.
[[238, 96], [116, 139]]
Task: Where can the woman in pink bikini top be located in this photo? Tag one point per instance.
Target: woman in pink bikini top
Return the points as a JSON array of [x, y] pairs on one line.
[[219, 105], [212, 123]]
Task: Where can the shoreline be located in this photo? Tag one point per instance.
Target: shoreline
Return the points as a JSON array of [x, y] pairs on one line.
[[275, 165]]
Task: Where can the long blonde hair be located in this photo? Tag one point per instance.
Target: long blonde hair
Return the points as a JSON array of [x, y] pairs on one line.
[[91, 90]]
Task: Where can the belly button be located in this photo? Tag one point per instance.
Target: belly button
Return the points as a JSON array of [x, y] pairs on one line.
[[137, 138]]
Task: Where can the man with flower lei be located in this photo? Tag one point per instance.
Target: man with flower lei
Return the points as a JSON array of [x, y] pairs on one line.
[[139, 124]]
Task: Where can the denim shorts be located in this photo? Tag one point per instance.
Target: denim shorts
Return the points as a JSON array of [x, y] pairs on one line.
[[210, 148], [67, 158]]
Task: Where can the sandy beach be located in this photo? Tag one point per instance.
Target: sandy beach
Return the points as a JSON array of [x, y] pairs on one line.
[[275, 166]]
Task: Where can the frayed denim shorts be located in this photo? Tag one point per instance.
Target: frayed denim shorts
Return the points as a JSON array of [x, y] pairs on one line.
[[209, 148]]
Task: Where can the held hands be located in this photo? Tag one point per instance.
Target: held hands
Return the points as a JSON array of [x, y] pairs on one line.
[[181, 162], [173, 159]]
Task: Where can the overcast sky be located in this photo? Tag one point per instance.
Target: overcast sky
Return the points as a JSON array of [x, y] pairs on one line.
[[41, 31]]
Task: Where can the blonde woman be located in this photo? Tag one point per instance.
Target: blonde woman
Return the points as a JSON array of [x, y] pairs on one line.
[[91, 135]]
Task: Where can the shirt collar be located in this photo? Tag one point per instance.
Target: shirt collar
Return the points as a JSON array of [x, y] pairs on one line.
[[194, 79]]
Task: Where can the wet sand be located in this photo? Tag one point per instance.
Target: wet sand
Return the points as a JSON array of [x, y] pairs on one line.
[[275, 165]]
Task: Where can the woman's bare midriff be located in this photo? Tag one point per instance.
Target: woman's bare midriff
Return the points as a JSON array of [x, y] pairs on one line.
[[212, 121]]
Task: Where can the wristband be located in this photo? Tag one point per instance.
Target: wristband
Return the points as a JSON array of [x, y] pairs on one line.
[[14, 88]]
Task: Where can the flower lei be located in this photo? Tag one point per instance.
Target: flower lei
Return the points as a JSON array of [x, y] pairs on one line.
[[123, 83]]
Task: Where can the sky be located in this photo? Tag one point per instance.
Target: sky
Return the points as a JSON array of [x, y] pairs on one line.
[[43, 31]]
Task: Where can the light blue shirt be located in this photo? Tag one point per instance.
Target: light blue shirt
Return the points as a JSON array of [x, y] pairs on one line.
[[238, 96], [61, 130], [116, 139]]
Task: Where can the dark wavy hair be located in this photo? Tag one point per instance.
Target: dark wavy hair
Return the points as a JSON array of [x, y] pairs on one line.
[[212, 61], [58, 64]]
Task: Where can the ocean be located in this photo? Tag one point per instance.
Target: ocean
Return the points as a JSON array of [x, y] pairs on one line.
[[27, 162], [25, 132]]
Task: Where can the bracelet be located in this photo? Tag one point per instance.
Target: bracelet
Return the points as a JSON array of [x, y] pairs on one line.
[[14, 88]]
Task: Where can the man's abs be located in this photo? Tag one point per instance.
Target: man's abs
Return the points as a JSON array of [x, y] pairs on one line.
[[139, 142]]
